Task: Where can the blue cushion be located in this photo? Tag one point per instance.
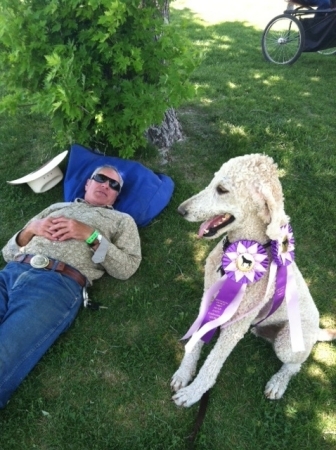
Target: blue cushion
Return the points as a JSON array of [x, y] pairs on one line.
[[144, 193]]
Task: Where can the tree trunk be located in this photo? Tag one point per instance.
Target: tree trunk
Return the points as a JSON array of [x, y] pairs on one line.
[[170, 130], [166, 134]]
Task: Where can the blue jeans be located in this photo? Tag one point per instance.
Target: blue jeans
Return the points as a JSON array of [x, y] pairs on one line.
[[36, 306]]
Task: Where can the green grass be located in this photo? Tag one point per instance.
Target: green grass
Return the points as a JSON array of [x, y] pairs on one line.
[[105, 383]]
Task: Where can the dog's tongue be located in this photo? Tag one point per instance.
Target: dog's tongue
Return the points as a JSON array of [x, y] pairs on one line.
[[209, 224]]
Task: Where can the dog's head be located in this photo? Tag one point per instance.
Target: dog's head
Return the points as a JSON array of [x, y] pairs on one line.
[[244, 199]]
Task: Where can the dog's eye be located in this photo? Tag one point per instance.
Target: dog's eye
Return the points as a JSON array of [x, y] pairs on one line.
[[221, 190]]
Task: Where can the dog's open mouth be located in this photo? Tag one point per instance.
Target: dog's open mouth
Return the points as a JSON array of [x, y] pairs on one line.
[[210, 227]]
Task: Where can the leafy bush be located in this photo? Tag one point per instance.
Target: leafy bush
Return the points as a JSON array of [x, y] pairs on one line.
[[102, 70]]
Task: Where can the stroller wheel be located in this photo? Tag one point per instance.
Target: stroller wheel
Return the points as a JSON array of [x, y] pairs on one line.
[[283, 40], [328, 51]]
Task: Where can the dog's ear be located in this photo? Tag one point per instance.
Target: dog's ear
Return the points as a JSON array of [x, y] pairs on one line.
[[270, 204]]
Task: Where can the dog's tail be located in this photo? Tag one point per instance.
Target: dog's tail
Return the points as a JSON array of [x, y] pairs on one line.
[[326, 334]]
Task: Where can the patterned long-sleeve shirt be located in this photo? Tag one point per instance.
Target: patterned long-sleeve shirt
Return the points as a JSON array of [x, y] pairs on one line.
[[123, 254]]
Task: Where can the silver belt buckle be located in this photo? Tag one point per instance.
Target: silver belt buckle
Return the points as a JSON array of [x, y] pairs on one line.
[[39, 261]]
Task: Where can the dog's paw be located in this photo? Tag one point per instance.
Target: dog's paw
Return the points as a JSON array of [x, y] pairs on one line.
[[277, 385], [275, 388], [186, 396], [180, 379]]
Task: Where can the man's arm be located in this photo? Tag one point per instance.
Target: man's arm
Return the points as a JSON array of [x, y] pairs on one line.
[[21, 238], [123, 254], [37, 226], [120, 258], [119, 254]]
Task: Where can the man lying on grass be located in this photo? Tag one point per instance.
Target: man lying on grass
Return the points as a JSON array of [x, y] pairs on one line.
[[49, 262]]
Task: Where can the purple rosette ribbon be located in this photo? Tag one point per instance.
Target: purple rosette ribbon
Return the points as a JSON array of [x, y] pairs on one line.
[[243, 262], [281, 272]]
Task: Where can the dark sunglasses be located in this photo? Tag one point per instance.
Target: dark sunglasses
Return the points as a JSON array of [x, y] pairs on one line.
[[100, 178]]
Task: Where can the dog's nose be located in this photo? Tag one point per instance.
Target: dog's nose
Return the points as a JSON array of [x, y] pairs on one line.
[[181, 210]]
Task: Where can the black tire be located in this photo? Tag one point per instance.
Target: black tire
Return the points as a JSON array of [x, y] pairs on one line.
[[283, 40]]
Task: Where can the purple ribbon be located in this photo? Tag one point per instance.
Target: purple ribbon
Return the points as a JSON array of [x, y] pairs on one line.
[[245, 262], [293, 309], [280, 288], [225, 296], [281, 271]]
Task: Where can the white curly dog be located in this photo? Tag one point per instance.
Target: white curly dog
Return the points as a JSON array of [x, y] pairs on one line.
[[245, 201]]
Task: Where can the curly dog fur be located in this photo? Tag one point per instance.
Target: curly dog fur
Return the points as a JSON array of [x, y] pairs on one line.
[[245, 201]]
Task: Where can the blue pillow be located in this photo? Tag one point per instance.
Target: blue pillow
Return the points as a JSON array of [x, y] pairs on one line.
[[144, 194]]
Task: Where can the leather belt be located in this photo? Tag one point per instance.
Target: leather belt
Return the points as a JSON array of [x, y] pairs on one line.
[[42, 262]]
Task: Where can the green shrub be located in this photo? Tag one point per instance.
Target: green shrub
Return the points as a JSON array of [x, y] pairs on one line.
[[102, 70]]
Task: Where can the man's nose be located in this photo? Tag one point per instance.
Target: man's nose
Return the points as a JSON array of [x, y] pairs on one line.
[[106, 184]]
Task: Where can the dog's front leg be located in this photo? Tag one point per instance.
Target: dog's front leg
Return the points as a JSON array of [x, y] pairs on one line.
[[227, 340], [187, 369]]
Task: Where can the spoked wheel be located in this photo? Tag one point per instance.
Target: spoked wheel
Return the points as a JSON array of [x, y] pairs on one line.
[[283, 40]]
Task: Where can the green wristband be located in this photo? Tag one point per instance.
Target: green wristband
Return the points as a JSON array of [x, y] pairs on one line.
[[93, 237]]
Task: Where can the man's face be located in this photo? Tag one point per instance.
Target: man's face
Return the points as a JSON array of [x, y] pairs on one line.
[[101, 194]]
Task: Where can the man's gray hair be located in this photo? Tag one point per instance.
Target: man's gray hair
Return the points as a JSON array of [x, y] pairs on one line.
[[109, 166]]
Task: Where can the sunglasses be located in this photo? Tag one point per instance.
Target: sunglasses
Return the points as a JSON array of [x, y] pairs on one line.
[[100, 178]]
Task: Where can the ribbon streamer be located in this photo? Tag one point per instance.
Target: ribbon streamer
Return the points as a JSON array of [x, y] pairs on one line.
[[244, 262], [281, 272], [292, 300], [207, 329]]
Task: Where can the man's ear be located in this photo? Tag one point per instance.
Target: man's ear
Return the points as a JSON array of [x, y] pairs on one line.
[[86, 184]]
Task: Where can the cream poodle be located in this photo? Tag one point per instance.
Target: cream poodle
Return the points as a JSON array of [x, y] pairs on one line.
[[245, 201]]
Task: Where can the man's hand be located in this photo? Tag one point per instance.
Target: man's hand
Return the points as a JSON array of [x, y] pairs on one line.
[[55, 229], [63, 229]]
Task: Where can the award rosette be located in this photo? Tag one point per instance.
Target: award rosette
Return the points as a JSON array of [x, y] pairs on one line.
[[243, 262], [281, 271]]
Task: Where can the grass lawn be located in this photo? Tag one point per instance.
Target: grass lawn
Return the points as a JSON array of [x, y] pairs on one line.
[[105, 383]]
